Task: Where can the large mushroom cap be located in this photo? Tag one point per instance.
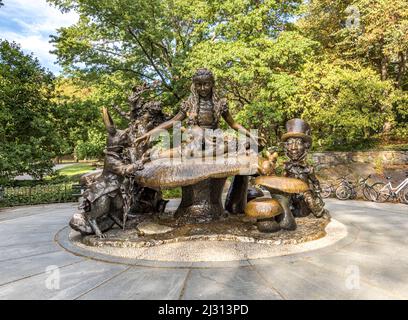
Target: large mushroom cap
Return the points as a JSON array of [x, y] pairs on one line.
[[164, 173], [282, 184], [263, 208]]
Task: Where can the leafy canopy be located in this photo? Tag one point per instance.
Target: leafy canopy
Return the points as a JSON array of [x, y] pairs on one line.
[[27, 138]]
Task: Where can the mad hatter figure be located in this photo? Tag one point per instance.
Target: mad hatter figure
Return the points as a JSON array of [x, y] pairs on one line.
[[298, 141]]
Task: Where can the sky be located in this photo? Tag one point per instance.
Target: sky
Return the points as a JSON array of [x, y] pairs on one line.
[[30, 23]]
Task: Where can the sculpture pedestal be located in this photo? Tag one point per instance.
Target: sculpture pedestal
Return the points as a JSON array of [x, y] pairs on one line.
[[201, 202]]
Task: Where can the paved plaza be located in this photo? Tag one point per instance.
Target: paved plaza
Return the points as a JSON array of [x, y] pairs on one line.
[[370, 262]]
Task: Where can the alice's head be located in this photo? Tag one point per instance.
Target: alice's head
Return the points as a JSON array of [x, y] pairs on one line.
[[203, 82]]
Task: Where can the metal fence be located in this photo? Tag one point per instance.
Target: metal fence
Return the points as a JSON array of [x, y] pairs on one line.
[[51, 193]]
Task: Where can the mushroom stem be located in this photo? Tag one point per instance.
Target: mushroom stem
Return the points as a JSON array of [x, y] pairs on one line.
[[287, 221]]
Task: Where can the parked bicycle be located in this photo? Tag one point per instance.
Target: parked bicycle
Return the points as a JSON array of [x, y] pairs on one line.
[[370, 192], [326, 190], [387, 191], [343, 189], [346, 189]]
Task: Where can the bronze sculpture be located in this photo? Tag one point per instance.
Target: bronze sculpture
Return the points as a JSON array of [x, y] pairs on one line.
[[102, 203], [203, 108], [128, 188], [134, 172], [201, 201], [298, 141], [143, 116], [295, 195]]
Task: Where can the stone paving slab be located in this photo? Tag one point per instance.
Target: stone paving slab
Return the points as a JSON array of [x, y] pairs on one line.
[[388, 273], [375, 247], [15, 269], [28, 211], [142, 284], [24, 238], [235, 284], [368, 206], [15, 251], [74, 281], [306, 281]]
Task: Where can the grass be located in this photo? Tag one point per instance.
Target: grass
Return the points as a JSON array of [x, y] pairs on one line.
[[71, 173], [75, 169]]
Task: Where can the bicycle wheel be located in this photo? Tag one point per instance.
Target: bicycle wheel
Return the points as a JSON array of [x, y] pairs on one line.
[[343, 192], [383, 192], [369, 193], [326, 190], [353, 194], [403, 197]]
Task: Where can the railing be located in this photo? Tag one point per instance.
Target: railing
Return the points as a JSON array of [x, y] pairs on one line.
[[51, 193]]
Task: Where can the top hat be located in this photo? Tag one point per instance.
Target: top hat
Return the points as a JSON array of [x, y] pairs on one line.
[[297, 128]]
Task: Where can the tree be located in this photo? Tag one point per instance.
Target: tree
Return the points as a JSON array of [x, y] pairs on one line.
[[258, 76], [152, 40], [78, 113], [260, 55], [347, 106], [374, 32], [247, 44], [27, 139]]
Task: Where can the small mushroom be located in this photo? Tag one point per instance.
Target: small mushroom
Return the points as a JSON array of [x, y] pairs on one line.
[[264, 211], [263, 208], [280, 188]]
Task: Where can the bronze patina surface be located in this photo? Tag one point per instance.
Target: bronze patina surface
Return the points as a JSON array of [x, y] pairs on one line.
[[298, 141], [232, 228], [263, 208], [202, 110]]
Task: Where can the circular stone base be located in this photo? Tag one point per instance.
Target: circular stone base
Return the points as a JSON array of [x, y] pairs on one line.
[[237, 228], [239, 240]]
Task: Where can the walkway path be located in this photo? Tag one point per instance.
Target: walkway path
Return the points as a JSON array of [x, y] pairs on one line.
[[370, 263]]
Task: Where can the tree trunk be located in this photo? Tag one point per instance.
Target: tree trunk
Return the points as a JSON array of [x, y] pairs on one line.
[[401, 68], [384, 68]]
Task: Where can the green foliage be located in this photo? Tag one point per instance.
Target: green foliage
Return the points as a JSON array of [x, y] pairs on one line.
[[172, 193], [91, 148], [241, 41], [378, 165], [280, 164], [258, 76], [345, 74], [372, 32], [27, 139], [345, 106], [154, 40], [400, 112]]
